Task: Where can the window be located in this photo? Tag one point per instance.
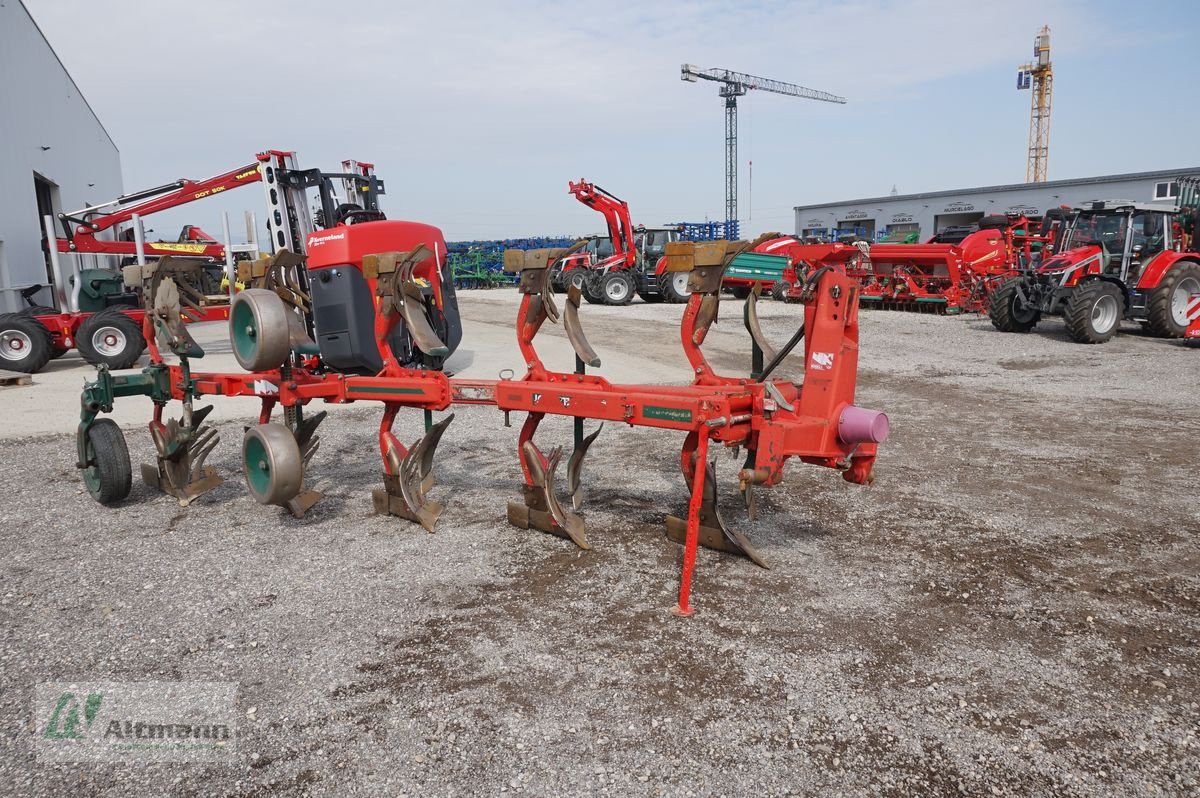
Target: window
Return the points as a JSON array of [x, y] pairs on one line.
[[1169, 190]]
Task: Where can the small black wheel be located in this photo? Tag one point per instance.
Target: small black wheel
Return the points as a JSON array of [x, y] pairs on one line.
[[993, 222], [112, 338], [1094, 312], [617, 288], [1006, 311], [108, 473], [25, 344], [740, 291], [780, 290], [674, 286]]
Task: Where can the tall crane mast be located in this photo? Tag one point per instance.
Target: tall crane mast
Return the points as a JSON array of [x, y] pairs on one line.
[[1038, 74], [734, 85]]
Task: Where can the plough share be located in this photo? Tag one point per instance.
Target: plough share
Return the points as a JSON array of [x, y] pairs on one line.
[[356, 320]]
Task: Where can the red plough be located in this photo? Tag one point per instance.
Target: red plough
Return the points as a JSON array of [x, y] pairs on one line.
[[289, 367]]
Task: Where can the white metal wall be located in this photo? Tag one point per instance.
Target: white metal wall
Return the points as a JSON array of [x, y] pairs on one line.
[[46, 128], [932, 212]]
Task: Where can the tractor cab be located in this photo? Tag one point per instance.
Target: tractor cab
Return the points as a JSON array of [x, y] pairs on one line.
[[1111, 238]]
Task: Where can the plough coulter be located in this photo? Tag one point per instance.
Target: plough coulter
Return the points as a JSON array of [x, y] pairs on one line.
[[350, 323]]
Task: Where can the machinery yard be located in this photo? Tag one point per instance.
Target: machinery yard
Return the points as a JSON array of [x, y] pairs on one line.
[[1007, 610]]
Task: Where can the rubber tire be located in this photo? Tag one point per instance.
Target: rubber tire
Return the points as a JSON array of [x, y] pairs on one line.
[[111, 478], [740, 291], [1078, 313], [574, 275], [780, 289], [277, 471], [41, 344], [666, 287], [1001, 312], [591, 289], [43, 310], [994, 222], [127, 357], [1160, 322], [258, 329], [37, 310], [614, 278]]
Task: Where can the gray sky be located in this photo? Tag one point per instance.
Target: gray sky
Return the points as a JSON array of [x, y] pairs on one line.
[[477, 114]]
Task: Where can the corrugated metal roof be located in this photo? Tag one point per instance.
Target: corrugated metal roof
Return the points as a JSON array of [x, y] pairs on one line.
[[1164, 174]]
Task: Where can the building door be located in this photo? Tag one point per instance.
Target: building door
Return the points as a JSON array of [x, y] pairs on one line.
[[945, 220], [47, 194], [898, 232], [866, 227]]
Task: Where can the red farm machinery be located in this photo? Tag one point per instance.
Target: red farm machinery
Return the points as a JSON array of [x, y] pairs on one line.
[[1118, 260], [937, 276], [367, 315], [100, 309], [629, 261]]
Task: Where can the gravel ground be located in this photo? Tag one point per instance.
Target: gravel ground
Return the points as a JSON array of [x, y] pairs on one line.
[[1012, 609]]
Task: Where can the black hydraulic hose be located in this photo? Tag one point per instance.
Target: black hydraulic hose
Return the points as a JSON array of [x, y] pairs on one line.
[[799, 334]]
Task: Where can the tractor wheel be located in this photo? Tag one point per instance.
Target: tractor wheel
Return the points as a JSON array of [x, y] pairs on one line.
[[274, 467], [25, 344], [108, 474], [1168, 303], [42, 310], [112, 338], [780, 290], [996, 221], [1094, 312], [674, 286], [617, 288], [1004, 310], [258, 328], [589, 286], [574, 277], [740, 291]]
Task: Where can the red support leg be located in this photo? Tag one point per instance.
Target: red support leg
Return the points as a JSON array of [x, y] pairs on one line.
[[693, 527]]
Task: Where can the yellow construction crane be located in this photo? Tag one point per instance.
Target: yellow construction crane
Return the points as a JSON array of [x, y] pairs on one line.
[[1038, 74]]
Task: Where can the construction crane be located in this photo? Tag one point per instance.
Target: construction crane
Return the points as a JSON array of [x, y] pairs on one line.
[[734, 85], [1038, 74]]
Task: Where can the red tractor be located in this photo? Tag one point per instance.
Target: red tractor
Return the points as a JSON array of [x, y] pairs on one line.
[[1117, 260], [612, 269]]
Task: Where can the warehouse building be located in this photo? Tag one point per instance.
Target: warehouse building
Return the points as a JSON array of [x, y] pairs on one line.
[[56, 155], [899, 215]]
